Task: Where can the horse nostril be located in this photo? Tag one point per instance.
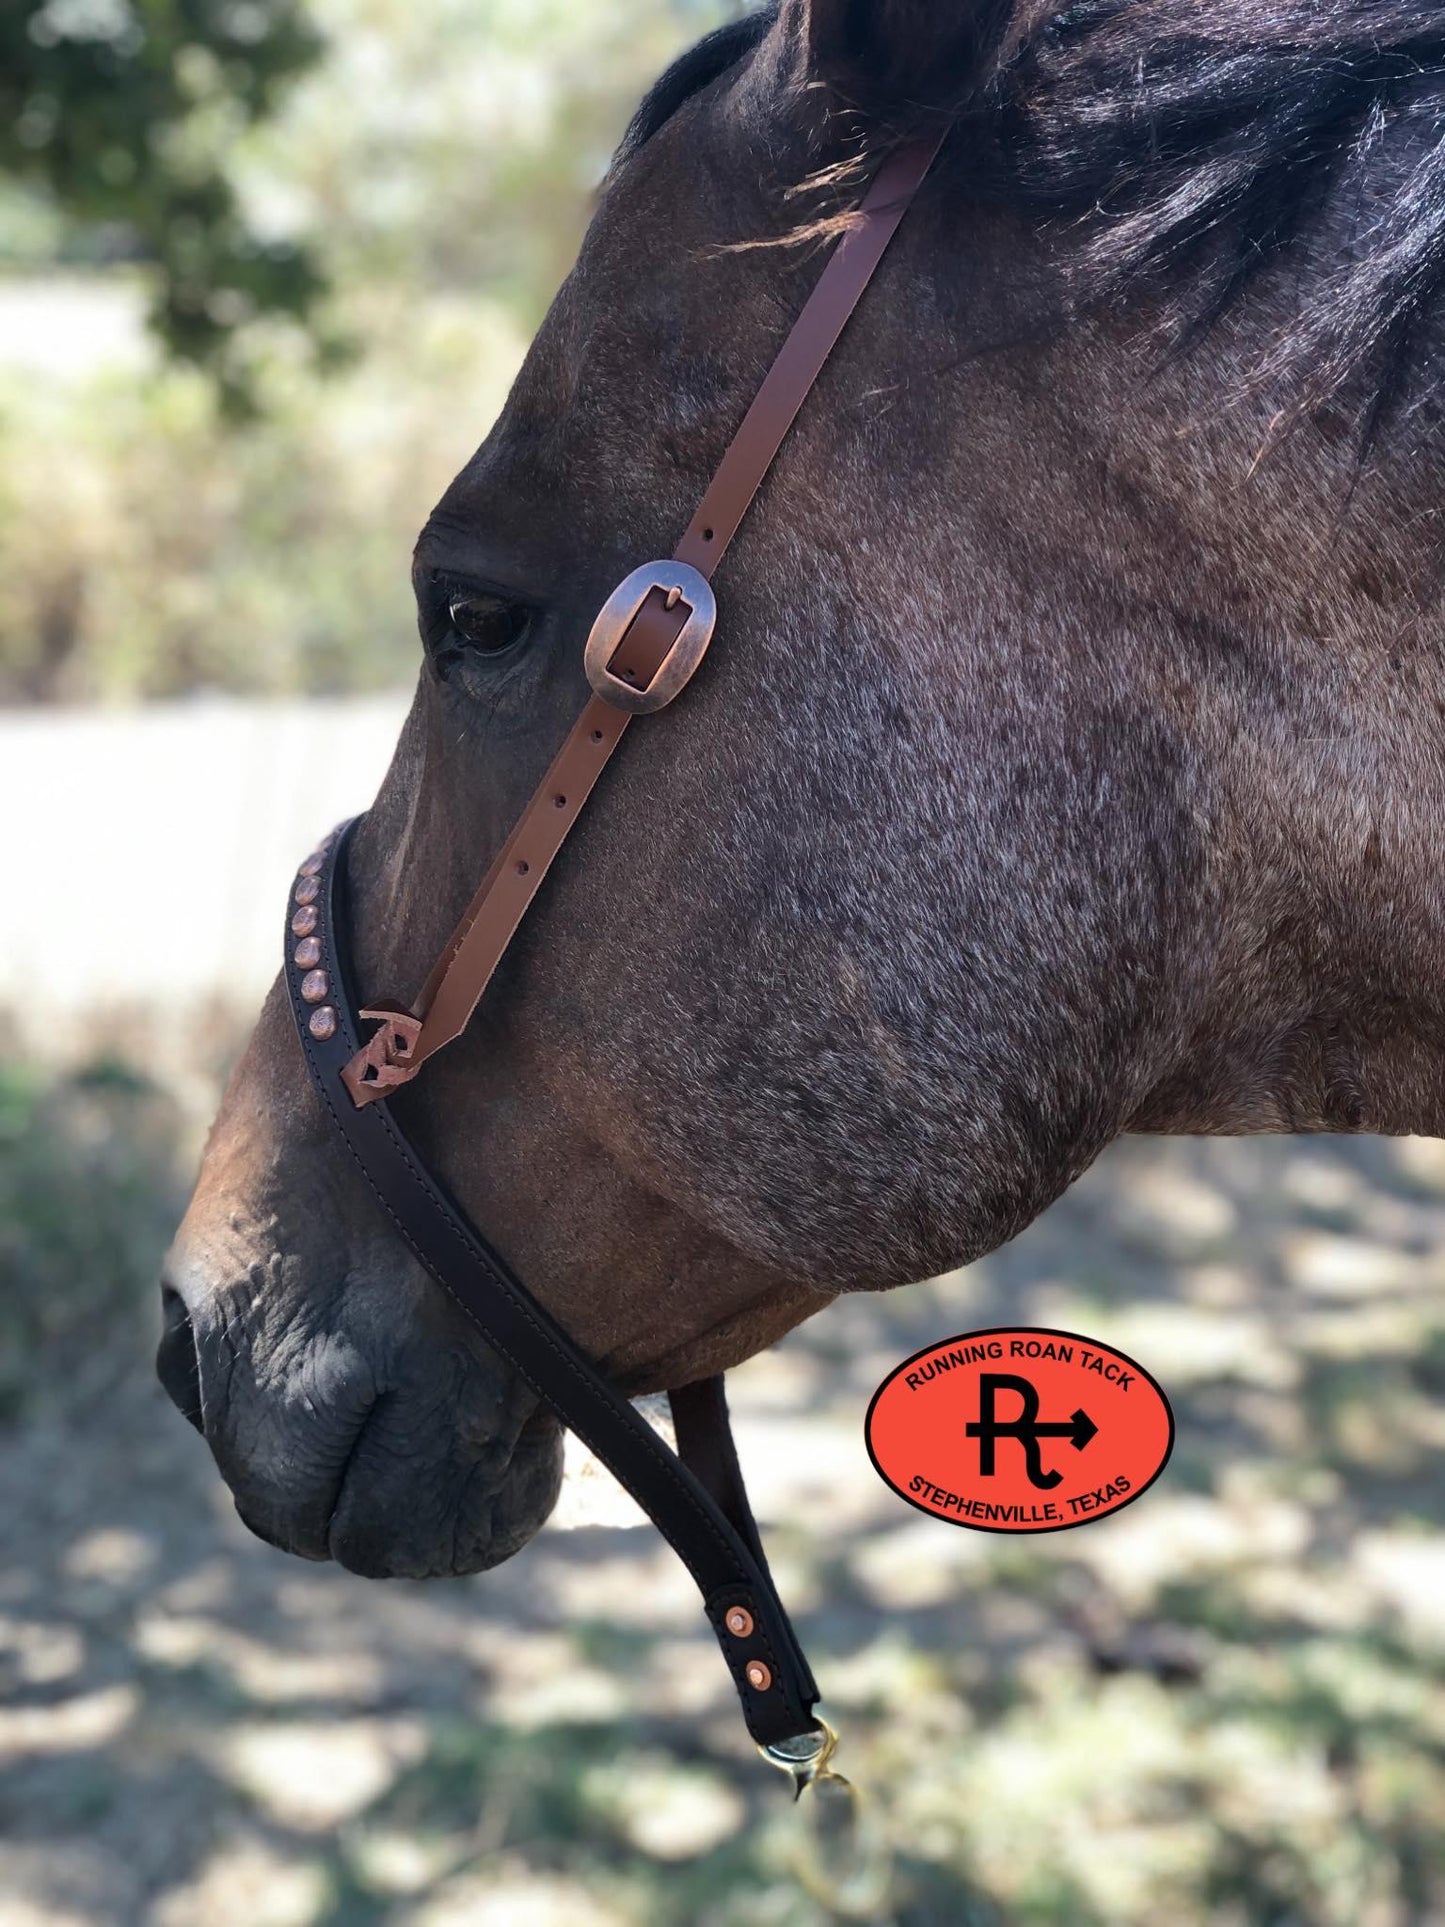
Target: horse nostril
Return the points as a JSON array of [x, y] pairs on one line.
[[177, 1366]]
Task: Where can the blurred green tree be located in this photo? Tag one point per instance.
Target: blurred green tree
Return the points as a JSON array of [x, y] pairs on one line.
[[434, 170], [123, 115]]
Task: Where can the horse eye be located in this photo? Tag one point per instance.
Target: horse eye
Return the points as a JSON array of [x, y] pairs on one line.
[[487, 623]]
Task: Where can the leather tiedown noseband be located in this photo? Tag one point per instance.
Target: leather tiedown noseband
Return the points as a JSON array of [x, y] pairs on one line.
[[645, 644]]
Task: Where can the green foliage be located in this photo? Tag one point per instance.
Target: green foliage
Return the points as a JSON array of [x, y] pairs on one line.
[[441, 158], [89, 1195], [124, 114], [148, 547]]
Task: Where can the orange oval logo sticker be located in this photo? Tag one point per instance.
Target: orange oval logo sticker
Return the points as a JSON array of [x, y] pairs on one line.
[[1019, 1429]]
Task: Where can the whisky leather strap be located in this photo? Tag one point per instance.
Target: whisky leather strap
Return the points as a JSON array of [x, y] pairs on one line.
[[406, 1038], [646, 642]]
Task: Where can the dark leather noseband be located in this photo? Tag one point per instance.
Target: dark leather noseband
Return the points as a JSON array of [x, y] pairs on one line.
[[646, 643]]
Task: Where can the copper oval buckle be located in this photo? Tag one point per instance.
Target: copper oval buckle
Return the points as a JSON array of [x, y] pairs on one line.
[[677, 582]]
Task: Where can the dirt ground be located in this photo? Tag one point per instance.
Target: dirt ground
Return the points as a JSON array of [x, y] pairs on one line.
[[1224, 1705]]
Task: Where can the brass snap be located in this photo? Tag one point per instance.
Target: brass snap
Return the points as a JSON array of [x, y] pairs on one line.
[[759, 1677], [739, 1621]]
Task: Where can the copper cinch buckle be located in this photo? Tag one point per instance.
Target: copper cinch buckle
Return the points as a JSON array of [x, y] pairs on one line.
[[677, 582]]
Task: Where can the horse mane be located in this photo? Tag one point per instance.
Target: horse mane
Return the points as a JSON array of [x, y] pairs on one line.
[[1202, 141], [1196, 143]]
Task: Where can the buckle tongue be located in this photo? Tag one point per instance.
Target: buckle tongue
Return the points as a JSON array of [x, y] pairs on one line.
[[677, 582]]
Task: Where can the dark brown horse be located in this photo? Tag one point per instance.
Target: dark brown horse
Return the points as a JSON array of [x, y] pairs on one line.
[[1068, 760]]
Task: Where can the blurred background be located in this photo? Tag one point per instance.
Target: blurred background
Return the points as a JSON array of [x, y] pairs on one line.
[[266, 270]]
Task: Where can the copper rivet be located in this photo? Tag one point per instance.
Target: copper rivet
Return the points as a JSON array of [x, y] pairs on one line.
[[305, 921], [314, 986], [323, 1023], [308, 952], [314, 864], [308, 890], [739, 1621], [759, 1677]]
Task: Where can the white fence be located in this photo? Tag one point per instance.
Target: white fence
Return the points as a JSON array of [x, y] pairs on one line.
[[148, 851]]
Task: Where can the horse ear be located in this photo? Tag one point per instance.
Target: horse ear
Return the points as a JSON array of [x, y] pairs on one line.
[[889, 58]]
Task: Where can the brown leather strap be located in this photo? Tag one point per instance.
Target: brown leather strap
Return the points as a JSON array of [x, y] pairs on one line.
[[461, 974]]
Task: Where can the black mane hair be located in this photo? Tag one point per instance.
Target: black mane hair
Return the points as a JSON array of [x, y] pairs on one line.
[[1198, 142], [1202, 142]]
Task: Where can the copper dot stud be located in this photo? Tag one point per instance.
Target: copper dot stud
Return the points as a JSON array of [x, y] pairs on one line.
[[307, 953], [314, 864], [305, 920], [322, 1023], [739, 1621], [314, 986], [308, 890], [758, 1676]]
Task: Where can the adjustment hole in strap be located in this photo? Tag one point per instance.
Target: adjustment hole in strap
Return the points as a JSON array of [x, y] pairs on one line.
[[521, 868], [559, 802], [597, 735], [707, 535]]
